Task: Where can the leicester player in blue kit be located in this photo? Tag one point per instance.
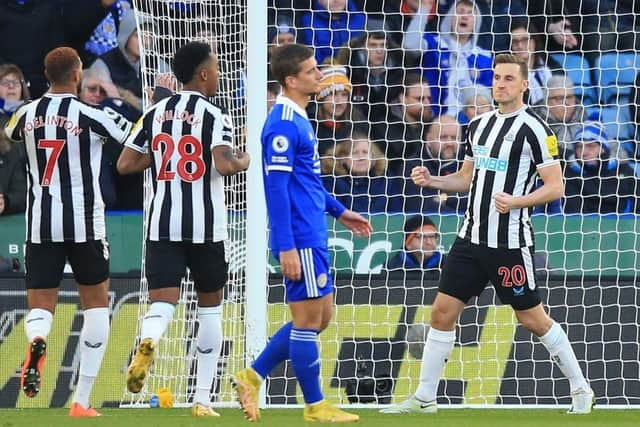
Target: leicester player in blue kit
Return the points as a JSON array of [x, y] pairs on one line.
[[297, 203]]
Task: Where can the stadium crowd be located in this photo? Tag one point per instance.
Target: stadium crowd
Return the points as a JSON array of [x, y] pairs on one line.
[[402, 79]]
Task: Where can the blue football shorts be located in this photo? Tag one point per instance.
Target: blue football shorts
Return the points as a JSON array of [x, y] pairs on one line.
[[315, 281]]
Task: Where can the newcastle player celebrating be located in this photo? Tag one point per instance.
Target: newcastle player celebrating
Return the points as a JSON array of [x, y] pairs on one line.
[[506, 150], [63, 138], [187, 141]]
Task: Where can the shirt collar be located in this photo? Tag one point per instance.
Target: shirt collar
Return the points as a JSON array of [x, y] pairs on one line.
[[191, 92], [281, 99], [59, 95], [514, 113]]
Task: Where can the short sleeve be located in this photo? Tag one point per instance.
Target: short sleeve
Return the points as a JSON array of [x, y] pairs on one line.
[[111, 124], [138, 139], [14, 126], [544, 146], [279, 146], [222, 132], [468, 138]]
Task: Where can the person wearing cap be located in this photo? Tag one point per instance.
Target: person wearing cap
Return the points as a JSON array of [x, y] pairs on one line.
[[333, 115], [420, 247], [283, 32], [596, 182]]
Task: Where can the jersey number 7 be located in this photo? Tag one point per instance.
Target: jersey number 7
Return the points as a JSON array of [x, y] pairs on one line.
[[164, 141], [56, 146]]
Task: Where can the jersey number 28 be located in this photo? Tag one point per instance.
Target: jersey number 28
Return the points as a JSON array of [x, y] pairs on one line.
[[193, 156]]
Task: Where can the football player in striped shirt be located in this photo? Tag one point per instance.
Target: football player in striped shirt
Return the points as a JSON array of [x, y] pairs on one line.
[[188, 143], [506, 149], [64, 139]]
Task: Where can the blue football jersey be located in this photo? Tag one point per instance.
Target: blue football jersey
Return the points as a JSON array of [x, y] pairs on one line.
[[289, 146]]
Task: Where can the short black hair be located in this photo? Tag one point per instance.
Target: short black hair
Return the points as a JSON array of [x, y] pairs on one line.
[[286, 60], [188, 58], [416, 222]]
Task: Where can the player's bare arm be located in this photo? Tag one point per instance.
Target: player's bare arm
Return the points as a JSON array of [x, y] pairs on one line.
[[458, 182], [132, 161], [356, 223], [227, 163], [552, 189]]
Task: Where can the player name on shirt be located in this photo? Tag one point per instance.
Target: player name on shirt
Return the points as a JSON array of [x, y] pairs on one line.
[[184, 116], [55, 120]]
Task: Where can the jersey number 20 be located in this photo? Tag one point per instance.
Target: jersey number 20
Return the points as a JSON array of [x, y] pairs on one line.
[[193, 156]]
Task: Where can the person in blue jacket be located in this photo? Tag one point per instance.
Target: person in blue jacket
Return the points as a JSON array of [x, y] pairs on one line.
[[329, 25], [452, 59]]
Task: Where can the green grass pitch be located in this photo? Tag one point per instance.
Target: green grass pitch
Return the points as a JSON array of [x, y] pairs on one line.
[[293, 417]]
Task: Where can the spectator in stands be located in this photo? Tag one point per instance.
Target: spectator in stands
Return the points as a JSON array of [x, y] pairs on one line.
[[13, 158], [123, 64], [562, 112], [359, 179], [333, 115], [452, 59], [118, 191], [329, 25], [443, 153], [420, 249], [526, 43], [281, 33], [594, 181], [13, 176], [409, 16], [13, 91], [497, 16], [476, 100], [374, 64], [560, 20], [105, 35], [400, 135]]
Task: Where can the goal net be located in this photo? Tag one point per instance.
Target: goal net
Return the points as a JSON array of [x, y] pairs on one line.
[[163, 27], [396, 95]]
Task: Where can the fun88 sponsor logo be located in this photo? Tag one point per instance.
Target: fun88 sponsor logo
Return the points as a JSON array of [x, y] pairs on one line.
[[483, 161]]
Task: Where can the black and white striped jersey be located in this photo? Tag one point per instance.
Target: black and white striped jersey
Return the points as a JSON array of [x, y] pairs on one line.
[[507, 150], [64, 139], [187, 202]]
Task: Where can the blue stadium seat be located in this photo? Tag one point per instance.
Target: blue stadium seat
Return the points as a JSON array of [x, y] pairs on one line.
[[617, 121], [615, 73], [578, 69]]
